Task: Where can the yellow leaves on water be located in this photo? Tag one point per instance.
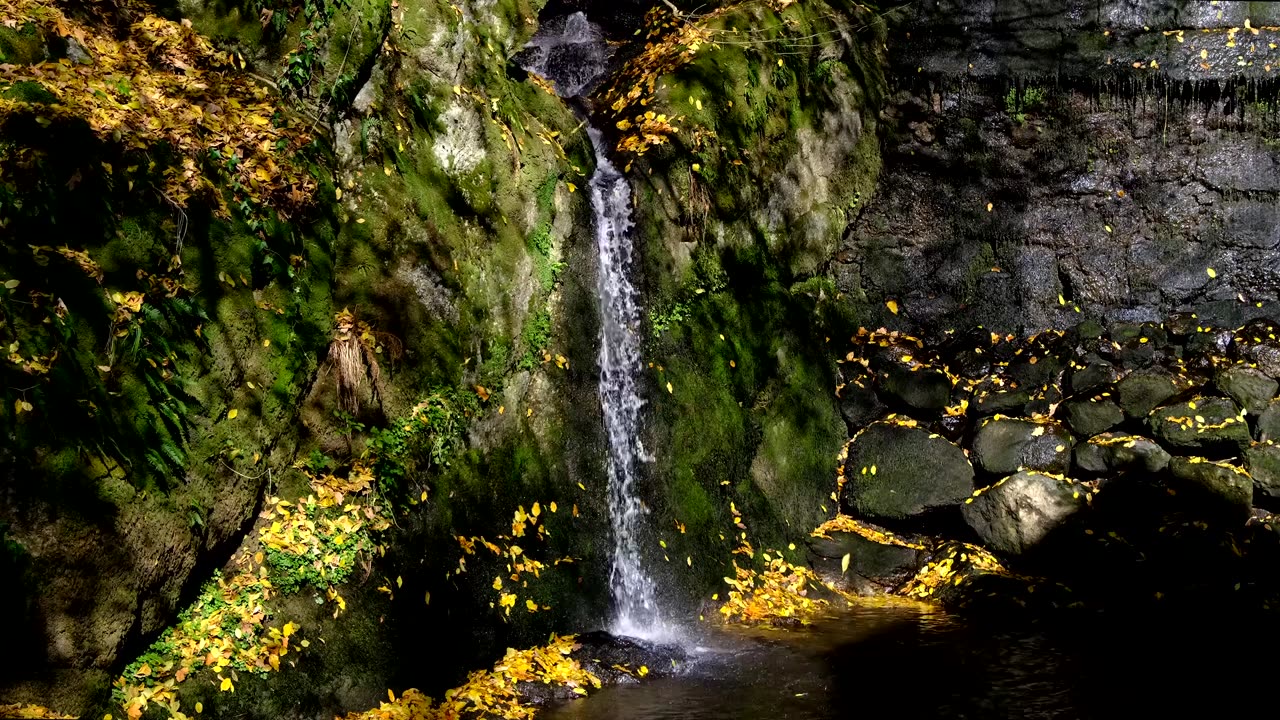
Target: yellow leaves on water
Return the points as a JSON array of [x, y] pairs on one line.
[[892, 305]]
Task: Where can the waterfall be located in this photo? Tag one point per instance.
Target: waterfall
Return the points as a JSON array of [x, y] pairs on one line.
[[635, 605], [573, 53]]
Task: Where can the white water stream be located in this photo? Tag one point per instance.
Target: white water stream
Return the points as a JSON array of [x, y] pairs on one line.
[[572, 52]]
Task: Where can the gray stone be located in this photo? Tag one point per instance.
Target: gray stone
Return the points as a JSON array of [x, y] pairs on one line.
[[1090, 417], [1021, 510], [1094, 377], [1216, 489], [1203, 424], [859, 405], [1263, 463], [1003, 446], [1258, 343], [922, 389], [1112, 452], [884, 563], [1268, 423], [896, 472], [1249, 387]]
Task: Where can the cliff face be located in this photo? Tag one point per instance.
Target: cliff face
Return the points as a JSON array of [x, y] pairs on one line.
[[1044, 157]]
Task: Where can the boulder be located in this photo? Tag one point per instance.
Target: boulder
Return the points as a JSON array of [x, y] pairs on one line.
[[1203, 425], [1267, 426], [1003, 446], [1216, 488], [1257, 343], [1144, 390], [1018, 512], [1000, 402], [1263, 463], [859, 405], [895, 471], [1093, 416], [874, 555], [1249, 387], [1113, 452], [918, 386], [1098, 375]]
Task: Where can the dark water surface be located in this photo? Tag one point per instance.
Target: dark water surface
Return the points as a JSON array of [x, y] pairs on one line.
[[903, 661]]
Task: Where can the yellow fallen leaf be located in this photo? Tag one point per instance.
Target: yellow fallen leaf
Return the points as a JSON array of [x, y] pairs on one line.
[[1212, 273], [572, 187], [670, 390], [553, 506], [989, 207], [893, 306], [428, 597], [844, 563], [232, 413], [226, 685], [337, 193], [399, 581]]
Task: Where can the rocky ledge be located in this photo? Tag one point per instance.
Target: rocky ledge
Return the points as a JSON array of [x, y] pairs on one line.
[[1135, 464]]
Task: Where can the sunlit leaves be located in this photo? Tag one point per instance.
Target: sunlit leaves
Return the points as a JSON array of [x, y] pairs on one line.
[[163, 83]]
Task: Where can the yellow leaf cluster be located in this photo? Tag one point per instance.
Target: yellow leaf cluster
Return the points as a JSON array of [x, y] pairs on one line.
[[162, 83], [493, 693], [32, 711]]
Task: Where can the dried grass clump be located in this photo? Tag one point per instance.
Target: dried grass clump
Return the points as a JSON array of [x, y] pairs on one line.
[[354, 353]]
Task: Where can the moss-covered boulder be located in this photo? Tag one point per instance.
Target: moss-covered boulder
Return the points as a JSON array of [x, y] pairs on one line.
[[1249, 387], [1142, 391], [1213, 489], [1207, 424], [1117, 452], [895, 471], [1003, 446], [876, 557], [1019, 512], [1096, 376], [1092, 416], [1262, 460]]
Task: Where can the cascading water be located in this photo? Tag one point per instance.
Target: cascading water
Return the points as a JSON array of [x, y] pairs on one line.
[[636, 609], [572, 52]]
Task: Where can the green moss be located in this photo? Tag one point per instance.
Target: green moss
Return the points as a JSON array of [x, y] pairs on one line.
[[22, 45]]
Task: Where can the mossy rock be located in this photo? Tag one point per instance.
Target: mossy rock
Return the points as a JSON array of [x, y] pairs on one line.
[[1203, 424], [1022, 510], [1095, 377], [1002, 402], [1263, 463], [1144, 390], [1003, 446], [1267, 426], [22, 45], [1215, 489], [897, 472], [1115, 452], [1249, 387], [1093, 416]]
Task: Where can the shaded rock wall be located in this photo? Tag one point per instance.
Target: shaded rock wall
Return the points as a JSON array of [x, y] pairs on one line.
[[1031, 169]]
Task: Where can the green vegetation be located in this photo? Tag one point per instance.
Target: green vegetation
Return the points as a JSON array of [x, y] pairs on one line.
[[1018, 104]]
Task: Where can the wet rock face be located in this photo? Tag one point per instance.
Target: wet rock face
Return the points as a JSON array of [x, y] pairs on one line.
[[1045, 197], [1004, 445], [898, 472], [1020, 511], [615, 659]]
